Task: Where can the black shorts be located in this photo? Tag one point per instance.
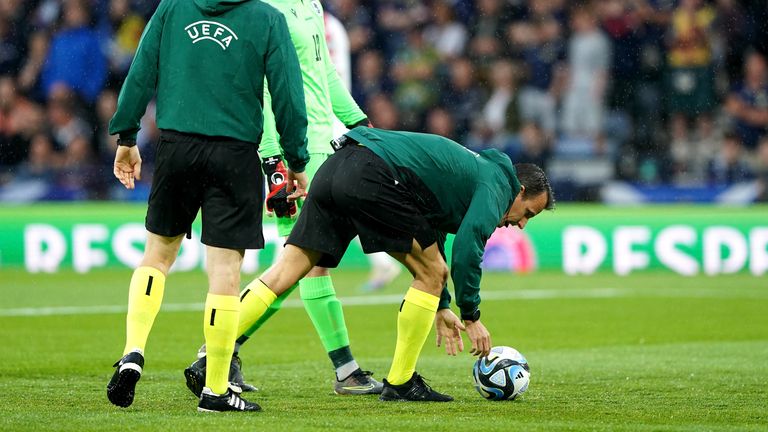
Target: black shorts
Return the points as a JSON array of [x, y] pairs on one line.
[[220, 176], [355, 193]]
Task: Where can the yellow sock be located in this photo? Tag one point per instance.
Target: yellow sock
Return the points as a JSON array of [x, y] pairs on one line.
[[254, 301], [220, 327], [413, 324], [145, 294]]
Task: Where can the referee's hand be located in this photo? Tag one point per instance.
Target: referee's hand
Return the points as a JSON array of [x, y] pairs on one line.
[[127, 165], [448, 331], [297, 185]]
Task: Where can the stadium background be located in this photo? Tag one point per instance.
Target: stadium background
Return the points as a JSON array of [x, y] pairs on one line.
[[649, 115]]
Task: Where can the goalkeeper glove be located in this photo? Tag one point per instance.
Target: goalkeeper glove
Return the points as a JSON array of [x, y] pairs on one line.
[[277, 179]]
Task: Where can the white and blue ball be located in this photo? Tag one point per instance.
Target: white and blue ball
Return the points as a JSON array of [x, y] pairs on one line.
[[503, 374]]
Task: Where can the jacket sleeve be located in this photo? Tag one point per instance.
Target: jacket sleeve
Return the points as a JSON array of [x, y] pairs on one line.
[[445, 298], [344, 106], [480, 221], [140, 84], [287, 89]]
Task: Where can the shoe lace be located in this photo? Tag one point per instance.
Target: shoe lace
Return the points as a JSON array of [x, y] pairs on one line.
[[421, 386], [361, 376]]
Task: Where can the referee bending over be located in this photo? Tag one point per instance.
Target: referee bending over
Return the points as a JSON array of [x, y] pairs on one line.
[[401, 192]]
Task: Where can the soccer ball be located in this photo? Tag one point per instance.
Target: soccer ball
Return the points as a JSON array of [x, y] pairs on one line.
[[504, 374]]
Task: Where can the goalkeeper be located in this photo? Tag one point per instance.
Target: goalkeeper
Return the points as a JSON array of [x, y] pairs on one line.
[[326, 98]]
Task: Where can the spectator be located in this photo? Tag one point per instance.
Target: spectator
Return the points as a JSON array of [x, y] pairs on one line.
[[46, 14], [66, 125], [445, 34], [43, 160], [501, 112], [441, 122], [731, 27], [418, 63], [145, 7], [488, 27], [29, 74], [19, 120], [414, 74], [124, 28], [690, 81], [588, 63], [543, 53], [622, 22], [79, 175], [106, 144], [463, 95], [395, 19], [532, 146], [11, 46], [539, 9], [729, 166], [358, 23], [762, 169], [75, 58], [491, 19], [747, 104], [370, 79], [648, 118], [382, 112], [148, 135], [77, 162]]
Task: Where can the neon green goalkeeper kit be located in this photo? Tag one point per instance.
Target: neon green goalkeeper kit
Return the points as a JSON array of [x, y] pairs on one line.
[[326, 97]]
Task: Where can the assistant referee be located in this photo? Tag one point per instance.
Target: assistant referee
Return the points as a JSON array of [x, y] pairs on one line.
[[206, 60], [402, 192]]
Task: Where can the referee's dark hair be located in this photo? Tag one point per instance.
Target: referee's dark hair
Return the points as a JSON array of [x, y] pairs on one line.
[[535, 182]]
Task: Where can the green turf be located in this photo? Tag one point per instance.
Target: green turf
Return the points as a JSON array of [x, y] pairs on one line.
[[646, 352]]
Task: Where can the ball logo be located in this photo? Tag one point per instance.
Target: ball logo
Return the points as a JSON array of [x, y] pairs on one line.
[[210, 30]]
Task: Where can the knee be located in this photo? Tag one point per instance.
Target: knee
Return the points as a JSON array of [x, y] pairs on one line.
[[160, 252]]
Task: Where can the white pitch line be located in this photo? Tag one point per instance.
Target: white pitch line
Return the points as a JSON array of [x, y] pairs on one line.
[[374, 300], [368, 300]]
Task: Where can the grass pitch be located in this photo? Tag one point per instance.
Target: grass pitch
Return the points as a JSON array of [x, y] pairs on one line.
[[646, 352]]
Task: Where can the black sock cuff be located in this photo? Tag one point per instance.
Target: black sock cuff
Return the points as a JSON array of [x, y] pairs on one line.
[[239, 341], [340, 356]]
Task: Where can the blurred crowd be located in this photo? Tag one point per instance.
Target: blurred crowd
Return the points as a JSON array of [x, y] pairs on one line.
[[665, 91], [62, 63]]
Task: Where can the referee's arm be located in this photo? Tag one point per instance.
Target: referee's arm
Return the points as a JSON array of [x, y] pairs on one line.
[[141, 82], [287, 89], [480, 221]]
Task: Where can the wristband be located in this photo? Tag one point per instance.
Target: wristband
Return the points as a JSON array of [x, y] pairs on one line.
[[126, 143], [472, 316]]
